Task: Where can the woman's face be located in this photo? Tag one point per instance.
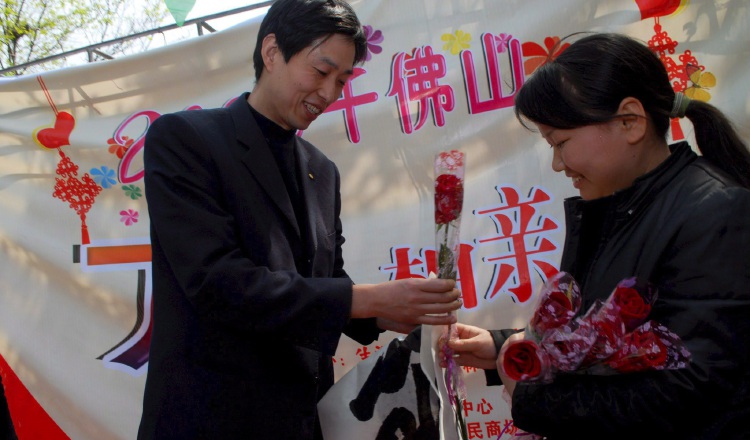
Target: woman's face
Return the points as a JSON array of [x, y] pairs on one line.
[[597, 157]]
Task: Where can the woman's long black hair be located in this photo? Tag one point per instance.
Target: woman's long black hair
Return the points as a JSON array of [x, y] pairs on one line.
[[585, 84]]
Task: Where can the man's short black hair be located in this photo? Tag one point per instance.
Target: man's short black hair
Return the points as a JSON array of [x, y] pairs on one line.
[[299, 24]]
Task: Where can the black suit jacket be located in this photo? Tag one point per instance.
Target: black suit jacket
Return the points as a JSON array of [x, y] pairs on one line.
[[242, 343]]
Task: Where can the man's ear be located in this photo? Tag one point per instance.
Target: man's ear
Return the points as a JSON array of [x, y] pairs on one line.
[[634, 121], [270, 52]]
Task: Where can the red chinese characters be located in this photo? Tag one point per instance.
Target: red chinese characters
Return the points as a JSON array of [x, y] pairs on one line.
[[416, 79]]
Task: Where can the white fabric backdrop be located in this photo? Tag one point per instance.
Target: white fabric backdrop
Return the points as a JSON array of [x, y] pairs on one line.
[[69, 322]]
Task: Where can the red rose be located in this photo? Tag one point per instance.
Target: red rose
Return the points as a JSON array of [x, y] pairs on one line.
[[633, 308], [523, 360], [609, 338], [642, 350], [559, 301], [449, 198], [568, 345], [554, 310]]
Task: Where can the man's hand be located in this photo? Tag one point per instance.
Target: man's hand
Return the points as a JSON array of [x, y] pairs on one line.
[[395, 326], [403, 304]]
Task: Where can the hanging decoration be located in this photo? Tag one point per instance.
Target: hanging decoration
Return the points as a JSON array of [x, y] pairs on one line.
[[79, 193], [660, 8], [179, 9], [680, 73]]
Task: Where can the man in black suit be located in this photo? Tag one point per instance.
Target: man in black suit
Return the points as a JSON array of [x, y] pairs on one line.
[[250, 293]]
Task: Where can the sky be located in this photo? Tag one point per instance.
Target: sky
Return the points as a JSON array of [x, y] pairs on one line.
[[206, 7], [203, 8]]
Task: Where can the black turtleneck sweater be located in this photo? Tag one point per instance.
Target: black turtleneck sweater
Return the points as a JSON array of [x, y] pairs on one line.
[[282, 145]]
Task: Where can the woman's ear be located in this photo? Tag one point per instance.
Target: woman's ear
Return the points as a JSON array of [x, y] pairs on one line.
[[634, 121], [270, 51]]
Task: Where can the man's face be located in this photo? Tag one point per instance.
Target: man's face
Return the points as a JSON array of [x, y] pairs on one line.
[[301, 89]]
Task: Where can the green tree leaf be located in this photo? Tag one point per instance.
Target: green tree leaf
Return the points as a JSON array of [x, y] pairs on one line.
[[34, 29]]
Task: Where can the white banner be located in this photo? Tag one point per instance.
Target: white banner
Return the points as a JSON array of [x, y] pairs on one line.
[[74, 238]]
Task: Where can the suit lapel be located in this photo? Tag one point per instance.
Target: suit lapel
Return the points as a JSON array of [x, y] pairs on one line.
[[259, 159], [310, 190]]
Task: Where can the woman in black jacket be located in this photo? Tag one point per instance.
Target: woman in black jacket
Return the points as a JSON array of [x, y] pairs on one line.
[[647, 209]]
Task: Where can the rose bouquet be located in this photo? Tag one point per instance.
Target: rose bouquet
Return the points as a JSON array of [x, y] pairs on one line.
[[449, 196], [613, 336], [559, 301]]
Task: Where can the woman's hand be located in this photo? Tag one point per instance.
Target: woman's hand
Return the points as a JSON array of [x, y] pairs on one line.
[[474, 347]]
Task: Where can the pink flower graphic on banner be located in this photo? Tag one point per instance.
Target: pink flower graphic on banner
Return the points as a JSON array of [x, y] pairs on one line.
[[129, 217], [501, 42], [374, 37]]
